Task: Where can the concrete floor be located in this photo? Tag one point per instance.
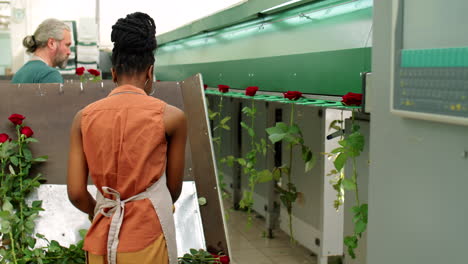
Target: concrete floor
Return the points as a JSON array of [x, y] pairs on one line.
[[249, 245]]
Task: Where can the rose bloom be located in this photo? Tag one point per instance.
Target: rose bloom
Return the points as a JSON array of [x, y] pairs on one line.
[[222, 259], [205, 86], [4, 137], [94, 72], [352, 99], [223, 88], [16, 119], [292, 95], [27, 131], [251, 90], [80, 71]]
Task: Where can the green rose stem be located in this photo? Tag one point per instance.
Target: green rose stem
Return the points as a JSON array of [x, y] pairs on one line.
[[220, 175], [13, 247], [20, 152], [291, 122], [354, 167], [252, 142], [3, 176], [220, 109], [252, 122]]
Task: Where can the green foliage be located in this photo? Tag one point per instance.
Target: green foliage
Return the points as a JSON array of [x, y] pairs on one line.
[[198, 257], [248, 162], [292, 135], [222, 124], [17, 217], [350, 148]]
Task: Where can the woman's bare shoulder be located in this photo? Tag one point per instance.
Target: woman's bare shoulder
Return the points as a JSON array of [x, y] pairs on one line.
[[174, 118]]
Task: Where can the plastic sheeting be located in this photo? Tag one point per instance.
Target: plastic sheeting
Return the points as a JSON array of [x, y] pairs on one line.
[[61, 221]]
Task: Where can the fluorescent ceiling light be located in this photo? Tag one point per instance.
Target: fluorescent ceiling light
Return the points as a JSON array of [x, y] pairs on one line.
[[281, 5]]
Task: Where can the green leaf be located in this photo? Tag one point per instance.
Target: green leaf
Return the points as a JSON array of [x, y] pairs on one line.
[[224, 120], [355, 143], [340, 161], [31, 140], [37, 204], [360, 227], [310, 164], [6, 149], [279, 128], [306, 154], [4, 215], [251, 132], [350, 241], [229, 160], [27, 154], [349, 185], [276, 137], [356, 209], [7, 206], [334, 125], [283, 126], [264, 176], [14, 160], [337, 150], [294, 129], [213, 115], [276, 174], [246, 110], [41, 159], [31, 242], [273, 130], [364, 212], [5, 227], [29, 224], [244, 125], [241, 161]]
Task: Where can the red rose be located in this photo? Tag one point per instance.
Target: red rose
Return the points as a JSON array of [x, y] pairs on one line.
[[16, 119], [4, 137], [223, 259], [223, 88], [79, 71], [27, 131], [94, 72], [205, 86], [352, 99], [292, 95], [251, 90]]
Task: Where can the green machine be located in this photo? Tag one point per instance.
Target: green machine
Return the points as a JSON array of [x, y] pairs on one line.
[[316, 47]]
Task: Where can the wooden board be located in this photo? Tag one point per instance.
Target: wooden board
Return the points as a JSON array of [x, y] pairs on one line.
[[49, 111], [204, 165]]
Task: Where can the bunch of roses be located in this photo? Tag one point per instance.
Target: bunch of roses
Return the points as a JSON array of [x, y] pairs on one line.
[[95, 74], [17, 120]]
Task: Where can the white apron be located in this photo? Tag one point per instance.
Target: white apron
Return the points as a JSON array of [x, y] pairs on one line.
[[159, 195]]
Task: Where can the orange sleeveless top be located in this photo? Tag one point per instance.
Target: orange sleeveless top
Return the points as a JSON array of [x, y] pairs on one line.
[[124, 142]]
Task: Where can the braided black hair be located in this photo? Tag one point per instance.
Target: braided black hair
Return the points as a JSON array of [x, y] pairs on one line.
[[134, 40]]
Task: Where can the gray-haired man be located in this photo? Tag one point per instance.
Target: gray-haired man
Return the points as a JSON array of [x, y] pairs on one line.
[[50, 46]]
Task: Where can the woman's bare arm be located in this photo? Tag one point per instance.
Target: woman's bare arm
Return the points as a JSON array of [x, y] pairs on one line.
[[176, 131], [78, 171]]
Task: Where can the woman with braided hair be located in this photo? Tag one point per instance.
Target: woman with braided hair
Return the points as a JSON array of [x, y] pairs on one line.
[[133, 146]]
